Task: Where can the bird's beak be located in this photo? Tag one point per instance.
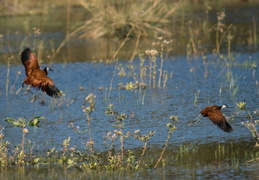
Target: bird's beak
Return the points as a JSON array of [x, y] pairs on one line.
[[51, 69]]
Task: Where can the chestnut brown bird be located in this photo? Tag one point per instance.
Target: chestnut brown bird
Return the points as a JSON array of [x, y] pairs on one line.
[[37, 78], [214, 114]]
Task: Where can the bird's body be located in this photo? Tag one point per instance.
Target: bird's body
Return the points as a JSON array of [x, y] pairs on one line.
[[214, 114], [37, 78]]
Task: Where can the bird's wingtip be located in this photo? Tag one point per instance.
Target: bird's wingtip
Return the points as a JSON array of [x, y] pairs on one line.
[[53, 91], [228, 130], [25, 55]]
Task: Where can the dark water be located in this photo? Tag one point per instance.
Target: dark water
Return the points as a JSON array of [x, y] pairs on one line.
[[148, 110]]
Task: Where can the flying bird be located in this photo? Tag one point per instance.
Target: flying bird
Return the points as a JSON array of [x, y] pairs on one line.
[[37, 78], [214, 114]]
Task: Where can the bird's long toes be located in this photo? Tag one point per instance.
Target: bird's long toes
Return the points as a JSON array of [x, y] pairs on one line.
[[193, 122], [18, 91], [33, 98]]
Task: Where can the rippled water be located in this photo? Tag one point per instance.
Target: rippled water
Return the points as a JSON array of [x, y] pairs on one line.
[[148, 110]]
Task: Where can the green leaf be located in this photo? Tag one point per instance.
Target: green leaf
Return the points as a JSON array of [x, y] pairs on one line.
[[35, 121]]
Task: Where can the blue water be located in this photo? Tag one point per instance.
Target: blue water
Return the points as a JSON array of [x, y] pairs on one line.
[[147, 110]]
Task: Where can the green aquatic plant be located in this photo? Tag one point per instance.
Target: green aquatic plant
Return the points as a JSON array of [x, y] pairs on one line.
[[121, 159], [22, 155], [109, 110], [251, 124], [231, 79], [3, 149], [171, 128], [121, 72], [88, 111], [8, 62], [148, 73], [186, 149], [119, 123], [241, 105], [145, 139], [22, 122], [129, 86]]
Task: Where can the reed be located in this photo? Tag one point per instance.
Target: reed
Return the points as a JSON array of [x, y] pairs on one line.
[[196, 95], [127, 19], [7, 82]]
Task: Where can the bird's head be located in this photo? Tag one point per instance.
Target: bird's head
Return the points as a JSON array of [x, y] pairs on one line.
[[47, 69], [223, 106]]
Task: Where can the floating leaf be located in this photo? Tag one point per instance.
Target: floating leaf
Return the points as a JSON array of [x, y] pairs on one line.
[[16, 122], [35, 121]]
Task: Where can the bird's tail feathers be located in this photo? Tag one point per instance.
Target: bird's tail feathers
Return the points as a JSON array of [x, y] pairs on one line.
[[53, 91]]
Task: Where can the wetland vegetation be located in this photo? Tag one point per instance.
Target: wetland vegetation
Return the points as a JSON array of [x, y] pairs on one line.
[[133, 74]]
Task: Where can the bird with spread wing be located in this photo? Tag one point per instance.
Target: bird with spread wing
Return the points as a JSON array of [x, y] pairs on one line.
[[37, 78]]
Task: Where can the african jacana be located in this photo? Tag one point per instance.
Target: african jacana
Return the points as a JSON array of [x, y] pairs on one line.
[[37, 78], [214, 114]]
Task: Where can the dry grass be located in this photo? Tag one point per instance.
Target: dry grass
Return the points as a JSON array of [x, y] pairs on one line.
[[114, 18], [110, 18]]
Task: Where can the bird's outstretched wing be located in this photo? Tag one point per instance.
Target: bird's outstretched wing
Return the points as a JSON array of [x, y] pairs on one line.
[[40, 81], [36, 77], [218, 119], [29, 61]]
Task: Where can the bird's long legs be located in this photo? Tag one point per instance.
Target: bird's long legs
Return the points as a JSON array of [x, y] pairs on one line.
[[197, 120], [33, 98]]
